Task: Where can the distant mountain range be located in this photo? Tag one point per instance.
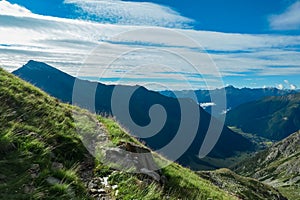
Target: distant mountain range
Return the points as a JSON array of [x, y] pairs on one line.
[[271, 117], [278, 166], [60, 85], [234, 96]]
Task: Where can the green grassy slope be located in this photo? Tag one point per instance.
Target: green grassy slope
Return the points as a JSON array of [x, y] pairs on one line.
[[278, 166], [43, 157], [274, 118], [36, 132], [242, 187]]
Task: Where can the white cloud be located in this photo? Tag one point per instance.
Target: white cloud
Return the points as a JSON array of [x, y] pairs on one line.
[[293, 87], [171, 56], [207, 104], [280, 86], [7, 8], [130, 13], [290, 85], [289, 20]]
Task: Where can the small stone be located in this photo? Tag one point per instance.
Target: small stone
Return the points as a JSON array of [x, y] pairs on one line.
[[97, 180], [57, 166], [34, 175], [103, 197], [114, 187], [28, 189], [102, 191], [94, 191], [52, 180], [34, 170], [105, 181], [92, 185]]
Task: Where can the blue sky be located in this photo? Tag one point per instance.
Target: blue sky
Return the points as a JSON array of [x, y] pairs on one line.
[[245, 43], [232, 16]]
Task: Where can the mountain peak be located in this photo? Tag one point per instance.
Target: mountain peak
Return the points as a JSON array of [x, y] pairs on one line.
[[37, 68], [231, 87], [35, 65]]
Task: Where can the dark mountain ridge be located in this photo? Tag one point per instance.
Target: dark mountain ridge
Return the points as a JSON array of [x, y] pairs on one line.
[[61, 85]]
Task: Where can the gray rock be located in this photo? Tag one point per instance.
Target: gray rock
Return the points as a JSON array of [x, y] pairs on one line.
[[94, 191], [114, 187], [105, 181], [129, 156], [155, 176], [119, 157], [52, 181], [28, 189], [102, 191], [142, 157], [57, 166], [34, 170], [92, 185]]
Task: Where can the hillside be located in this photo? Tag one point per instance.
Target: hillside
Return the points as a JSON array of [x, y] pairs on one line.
[[43, 156], [278, 166], [234, 96], [272, 117], [244, 188], [60, 85]]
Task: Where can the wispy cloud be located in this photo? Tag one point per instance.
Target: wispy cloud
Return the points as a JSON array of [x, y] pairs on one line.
[[207, 104], [168, 56], [7, 8], [289, 20], [130, 13], [287, 84]]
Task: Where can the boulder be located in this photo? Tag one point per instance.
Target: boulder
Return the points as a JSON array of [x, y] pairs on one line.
[[128, 156], [142, 155]]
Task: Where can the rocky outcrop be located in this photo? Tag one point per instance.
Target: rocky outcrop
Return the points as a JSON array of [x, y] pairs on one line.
[[133, 158]]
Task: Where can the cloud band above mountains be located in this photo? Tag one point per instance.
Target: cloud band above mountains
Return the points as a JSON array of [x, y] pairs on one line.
[[66, 43]]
